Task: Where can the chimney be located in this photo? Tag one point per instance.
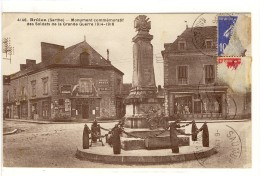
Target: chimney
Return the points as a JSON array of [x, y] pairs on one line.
[[6, 79], [108, 61], [23, 67], [108, 54], [186, 24], [30, 62], [49, 50]]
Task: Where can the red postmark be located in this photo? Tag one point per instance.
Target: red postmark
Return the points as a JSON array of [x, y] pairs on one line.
[[231, 62]]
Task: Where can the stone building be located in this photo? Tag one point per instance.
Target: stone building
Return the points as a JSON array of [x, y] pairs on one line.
[[191, 86], [72, 83], [6, 97]]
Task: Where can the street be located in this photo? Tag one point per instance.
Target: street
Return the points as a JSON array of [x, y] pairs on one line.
[[54, 145]]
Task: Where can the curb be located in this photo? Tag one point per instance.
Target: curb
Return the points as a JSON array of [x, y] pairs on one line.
[[87, 154], [11, 132], [49, 122], [215, 121]]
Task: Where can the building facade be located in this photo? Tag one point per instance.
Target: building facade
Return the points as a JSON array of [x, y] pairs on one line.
[[192, 89], [72, 83]]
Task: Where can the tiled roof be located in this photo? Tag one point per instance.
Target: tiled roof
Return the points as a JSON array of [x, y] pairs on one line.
[[71, 57], [194, 38]]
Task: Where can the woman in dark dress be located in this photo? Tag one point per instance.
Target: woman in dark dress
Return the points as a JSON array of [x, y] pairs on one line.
[[86, 133], [173, 136], [116, 141]]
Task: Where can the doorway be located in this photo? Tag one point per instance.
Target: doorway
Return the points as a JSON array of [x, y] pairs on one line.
[[85, 111], [18, 111]]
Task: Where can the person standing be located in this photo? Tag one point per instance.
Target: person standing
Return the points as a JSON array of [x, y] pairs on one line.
[[86, 133], [173, 136], [116, 141]]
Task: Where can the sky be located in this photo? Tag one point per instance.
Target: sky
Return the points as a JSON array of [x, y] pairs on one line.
[[26, 39]]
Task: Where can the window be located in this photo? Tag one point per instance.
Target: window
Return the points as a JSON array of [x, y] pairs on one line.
[[85, 85], [45, 86], [197, 107], [119, 84], [67, 105], [33, 84], [45, 109], [181, 45], [8, 96], [182, 74], [84, 58], [34, 108], [15, 94], [24, 109], [209, 74], [23, 91], [183, 104], [208, 43]]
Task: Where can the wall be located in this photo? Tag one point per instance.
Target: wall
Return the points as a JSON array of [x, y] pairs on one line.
[[107, 92], [195, 68], [21, 101], [6, 89]]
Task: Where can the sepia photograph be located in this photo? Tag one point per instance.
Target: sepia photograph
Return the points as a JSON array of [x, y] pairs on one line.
[[126, 90]]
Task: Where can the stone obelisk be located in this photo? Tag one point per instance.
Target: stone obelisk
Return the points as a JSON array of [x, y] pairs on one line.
[[143, 95]]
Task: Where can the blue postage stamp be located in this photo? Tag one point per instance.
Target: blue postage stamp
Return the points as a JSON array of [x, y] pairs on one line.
[[226, 25]]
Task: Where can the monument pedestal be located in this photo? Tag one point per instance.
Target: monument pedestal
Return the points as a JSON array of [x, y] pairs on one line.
[[140, 110], [136, 122], [153, 143], [149, 140]]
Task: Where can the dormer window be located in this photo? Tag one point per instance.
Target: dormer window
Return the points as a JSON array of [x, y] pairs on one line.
[[84, 58], [182, 45], [209, 43]]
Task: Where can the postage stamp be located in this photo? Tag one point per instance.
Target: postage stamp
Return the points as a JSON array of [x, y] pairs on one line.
[[231, 40], [232, 30]]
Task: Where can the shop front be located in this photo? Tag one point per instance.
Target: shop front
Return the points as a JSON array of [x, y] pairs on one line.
[[196, 104], [85, 108]]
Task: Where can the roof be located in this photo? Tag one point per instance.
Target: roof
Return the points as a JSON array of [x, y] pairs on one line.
[[70, 57], [194, 39]]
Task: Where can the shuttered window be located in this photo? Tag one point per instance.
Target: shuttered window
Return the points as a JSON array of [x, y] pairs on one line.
[[182, 74], [209, 74]]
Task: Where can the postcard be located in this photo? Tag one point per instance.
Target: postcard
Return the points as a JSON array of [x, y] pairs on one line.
[[169, 90]]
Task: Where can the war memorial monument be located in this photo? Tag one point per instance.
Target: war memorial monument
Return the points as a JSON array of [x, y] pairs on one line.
[[145, 135]]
